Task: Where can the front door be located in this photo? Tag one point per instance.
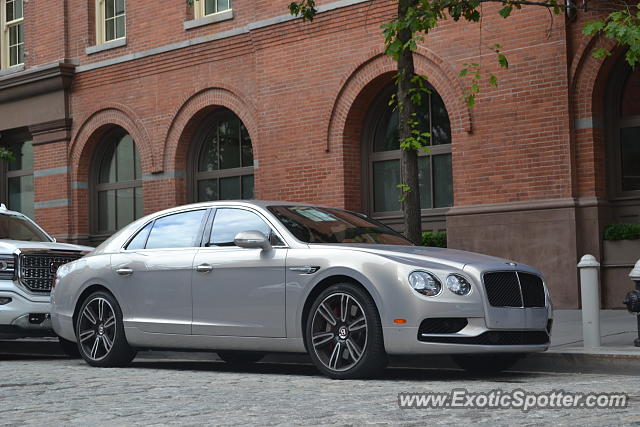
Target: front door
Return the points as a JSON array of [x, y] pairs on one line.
[[239, 291]]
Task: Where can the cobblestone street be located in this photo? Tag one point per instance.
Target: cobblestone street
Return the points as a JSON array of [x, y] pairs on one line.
[[45, 390]]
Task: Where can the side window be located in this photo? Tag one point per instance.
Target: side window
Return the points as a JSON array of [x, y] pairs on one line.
[[180, 230], [139, 241], [229, 222]]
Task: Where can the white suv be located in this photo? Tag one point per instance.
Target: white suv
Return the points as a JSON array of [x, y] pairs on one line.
[[29, 258]]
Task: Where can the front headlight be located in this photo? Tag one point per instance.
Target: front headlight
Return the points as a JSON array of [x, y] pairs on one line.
[[7, 267], [458, 284], [425, 283]]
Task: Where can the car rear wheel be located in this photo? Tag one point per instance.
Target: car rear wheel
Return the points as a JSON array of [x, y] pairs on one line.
[[344, 335], [486, 363], [240, 357], [100, 332], [69, 348]]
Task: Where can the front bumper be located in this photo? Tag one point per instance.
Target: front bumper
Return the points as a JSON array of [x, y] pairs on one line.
[[24, 315]]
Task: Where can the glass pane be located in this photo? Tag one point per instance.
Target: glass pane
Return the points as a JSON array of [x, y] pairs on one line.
[[630, 155], [137, 165], [13, 35], [20, 55], [23, 154], [139, 241], [386, 136], [119, 7], [109, 8], [208, 158], [229, 137], [18, 10], [120, 27], [424, 178], [13, 55], [176, 231], [125, 206], [125, 159], [9, 10], [229, 222], [107, 172], [107, 210], [110, 29], [386, 177], [209, 7], [245, 142], [443, 181], [230, 188], [21, 195], [247, 187], [207, 190], [440, 124], [139, 202], [222, 5]]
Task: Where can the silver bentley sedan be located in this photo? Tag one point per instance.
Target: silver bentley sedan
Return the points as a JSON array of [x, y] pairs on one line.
[[244, 278]]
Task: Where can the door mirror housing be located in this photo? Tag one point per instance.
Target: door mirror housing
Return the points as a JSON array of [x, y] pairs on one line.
[[252, 239]]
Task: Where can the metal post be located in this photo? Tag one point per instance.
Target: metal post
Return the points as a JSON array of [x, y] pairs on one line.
[[590, 290], [635, 276]]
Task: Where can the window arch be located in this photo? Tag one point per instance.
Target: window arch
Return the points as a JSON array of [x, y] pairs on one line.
[[222, 159], [382, 157], [17, 175], [623, 147], [117, 184]]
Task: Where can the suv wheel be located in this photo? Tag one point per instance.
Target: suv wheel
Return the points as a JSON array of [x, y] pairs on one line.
[[100, 332]]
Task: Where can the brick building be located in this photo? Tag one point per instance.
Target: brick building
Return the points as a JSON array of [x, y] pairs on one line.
[[115, 110]]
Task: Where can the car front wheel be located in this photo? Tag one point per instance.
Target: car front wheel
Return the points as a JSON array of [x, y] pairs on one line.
[[100, 332], [344, 334]]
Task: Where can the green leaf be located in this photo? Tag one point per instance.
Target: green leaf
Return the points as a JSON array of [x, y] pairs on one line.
[[601, 53], [463, 72], [592, 27], [506, 11], [493, 81], [470, 100], [502, 60]]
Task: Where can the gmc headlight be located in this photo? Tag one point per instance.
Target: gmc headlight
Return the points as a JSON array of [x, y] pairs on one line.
[[458, 284], [425, 283], [7, 267]]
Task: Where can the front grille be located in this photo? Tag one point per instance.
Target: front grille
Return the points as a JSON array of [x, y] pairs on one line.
[[37, 271], [442, 325], [495, 338], [514, 289]]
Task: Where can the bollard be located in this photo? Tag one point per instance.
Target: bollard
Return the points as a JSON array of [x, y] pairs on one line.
[[590, 292], [632, 300]]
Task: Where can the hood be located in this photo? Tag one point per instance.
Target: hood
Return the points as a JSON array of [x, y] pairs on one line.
[[453, 258], [10, 246]]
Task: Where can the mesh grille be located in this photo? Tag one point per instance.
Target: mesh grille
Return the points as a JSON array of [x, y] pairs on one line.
[[38, 270], [496, 338], [442, 325], [503, 289], [532, 290]]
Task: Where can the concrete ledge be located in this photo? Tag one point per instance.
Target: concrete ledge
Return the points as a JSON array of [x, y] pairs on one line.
[[209, 19], [106, 46]]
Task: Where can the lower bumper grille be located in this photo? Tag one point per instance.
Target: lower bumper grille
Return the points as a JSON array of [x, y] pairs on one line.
[[442, 325], [495, 338], [37, 271]]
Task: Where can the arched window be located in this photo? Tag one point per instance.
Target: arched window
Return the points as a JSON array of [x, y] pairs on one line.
[[222, 161], [623, 147], [383, 157], [18, 174], [117, 184]]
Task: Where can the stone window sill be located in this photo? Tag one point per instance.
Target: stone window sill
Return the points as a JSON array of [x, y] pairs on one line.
[[209, 19], [11, 70], [106, 46]]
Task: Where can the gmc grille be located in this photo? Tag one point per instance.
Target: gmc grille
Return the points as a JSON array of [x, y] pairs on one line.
[[514, 289], [37, 271]]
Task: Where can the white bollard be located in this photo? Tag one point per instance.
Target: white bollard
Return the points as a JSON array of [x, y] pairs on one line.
[[590, 290]]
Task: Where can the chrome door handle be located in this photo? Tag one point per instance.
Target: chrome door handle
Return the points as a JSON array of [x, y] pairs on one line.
[[125, 271], [204, 268]]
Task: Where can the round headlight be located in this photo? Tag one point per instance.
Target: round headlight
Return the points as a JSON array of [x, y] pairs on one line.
[[425, 283], [458, 284]]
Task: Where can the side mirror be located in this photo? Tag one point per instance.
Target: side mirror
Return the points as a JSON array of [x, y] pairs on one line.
[[252, 239]]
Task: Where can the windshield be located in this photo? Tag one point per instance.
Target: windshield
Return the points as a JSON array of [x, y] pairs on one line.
[[311, 224], [14, 227]]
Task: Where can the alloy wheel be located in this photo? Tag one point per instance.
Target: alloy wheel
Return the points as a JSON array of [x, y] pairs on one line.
[[97, 328], [339, 332]]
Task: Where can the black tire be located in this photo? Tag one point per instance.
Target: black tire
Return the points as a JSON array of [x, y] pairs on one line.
[[118, 353], [69, 348], [339, 350], [240, 357], [486, 364]]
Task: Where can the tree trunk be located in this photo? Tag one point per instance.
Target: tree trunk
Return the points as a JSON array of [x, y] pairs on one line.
[[409, 157]]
